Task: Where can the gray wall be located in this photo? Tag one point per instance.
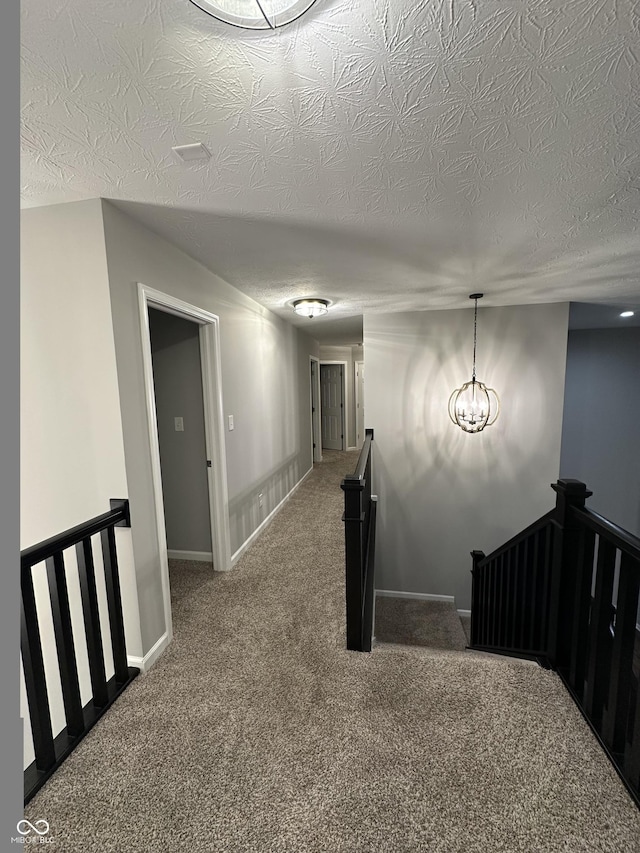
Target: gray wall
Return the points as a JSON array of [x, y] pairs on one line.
[[175, 346], [602, 421], [265, 383], [442, 492]]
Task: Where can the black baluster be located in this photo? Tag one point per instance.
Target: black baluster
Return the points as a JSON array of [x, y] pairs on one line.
[[64, 643], [617, 710], [600, 645], [114, 602], [34, 677], [581, 611], [91, 614]]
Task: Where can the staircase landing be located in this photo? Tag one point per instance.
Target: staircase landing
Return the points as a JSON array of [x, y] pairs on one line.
[[416, 622]]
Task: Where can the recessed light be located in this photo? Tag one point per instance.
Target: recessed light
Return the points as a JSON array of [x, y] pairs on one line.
[[628, 314], [196, 151]]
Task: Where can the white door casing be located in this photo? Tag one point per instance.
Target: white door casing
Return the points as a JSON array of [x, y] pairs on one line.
[[214, 433], [359, 385], [316, 440]]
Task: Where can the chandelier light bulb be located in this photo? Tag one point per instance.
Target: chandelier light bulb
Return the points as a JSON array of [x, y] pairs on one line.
[[474, 406]]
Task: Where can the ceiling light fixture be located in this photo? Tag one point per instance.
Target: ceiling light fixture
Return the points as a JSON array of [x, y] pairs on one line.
[[474, 406], [311, 307], [628, 314], [255, 14]]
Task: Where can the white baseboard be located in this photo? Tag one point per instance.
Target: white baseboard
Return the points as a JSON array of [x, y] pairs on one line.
[[353, 448], [145, 663], [249, 542], [464, 613], [425, 596], [200, 556]]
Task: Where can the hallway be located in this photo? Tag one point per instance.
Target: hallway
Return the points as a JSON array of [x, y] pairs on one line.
[[256, 731]]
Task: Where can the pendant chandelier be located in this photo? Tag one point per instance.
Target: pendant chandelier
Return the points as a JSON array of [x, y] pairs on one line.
[[255, 14], [474, 406]]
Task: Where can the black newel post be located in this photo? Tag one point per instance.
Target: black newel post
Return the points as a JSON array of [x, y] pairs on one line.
[[476, 616], [353, 518], [565, 566]]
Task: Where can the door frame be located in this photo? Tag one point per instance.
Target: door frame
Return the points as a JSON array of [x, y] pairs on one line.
[[316, 422], [358, 401], [209, 334], [345, 407]]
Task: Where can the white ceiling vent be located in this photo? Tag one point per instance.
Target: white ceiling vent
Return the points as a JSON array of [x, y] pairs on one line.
[[197, 151]]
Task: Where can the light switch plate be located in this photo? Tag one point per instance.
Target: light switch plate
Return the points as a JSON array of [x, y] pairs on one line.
[[230, 423], [179, 424]]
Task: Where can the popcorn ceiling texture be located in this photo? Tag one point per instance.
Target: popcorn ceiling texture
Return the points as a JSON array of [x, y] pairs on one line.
[[387, 155]]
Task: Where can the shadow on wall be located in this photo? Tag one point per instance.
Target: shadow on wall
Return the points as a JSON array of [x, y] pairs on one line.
[[432, 376], [444, 492], [245, 512]]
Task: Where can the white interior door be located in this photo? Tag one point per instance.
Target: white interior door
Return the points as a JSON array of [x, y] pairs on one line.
[[359, 403], [332, 398]]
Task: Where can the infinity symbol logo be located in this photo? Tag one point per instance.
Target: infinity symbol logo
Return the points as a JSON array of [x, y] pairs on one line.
[[44, 827]]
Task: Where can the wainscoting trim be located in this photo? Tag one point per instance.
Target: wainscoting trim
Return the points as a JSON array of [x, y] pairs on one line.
[[249, 542]]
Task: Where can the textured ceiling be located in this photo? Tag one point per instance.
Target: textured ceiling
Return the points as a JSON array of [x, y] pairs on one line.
[[387, 155]]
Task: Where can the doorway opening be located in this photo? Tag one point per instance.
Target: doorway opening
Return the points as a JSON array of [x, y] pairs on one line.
[[359, 386], [316, 439], [332, 402], [177, 380], [214, 461]]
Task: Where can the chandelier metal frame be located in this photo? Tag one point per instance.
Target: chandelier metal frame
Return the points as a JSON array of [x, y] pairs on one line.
[[474, 406]]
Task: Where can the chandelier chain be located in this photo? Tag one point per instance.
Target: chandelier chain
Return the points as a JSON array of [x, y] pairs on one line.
[[475, 327]]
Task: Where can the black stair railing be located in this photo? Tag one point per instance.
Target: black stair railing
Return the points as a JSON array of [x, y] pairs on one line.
[[567, 592], [50, 751], [510, 593], [360, 533]]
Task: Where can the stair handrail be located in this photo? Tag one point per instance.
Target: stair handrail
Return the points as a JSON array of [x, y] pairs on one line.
[[547, 518], [51, 748], [618, 536]]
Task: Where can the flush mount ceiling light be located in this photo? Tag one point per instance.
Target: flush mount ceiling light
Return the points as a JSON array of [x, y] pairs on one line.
[[255, 14], [627, 314], [474, 406], [311, 307]]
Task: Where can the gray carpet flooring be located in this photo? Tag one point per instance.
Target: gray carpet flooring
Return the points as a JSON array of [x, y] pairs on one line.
[[414, 622], [257, 732]]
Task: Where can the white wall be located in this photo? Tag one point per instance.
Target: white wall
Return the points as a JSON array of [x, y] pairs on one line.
[[443, 493], [177, 377], [71, 450], [601, 421], [265, 380]]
